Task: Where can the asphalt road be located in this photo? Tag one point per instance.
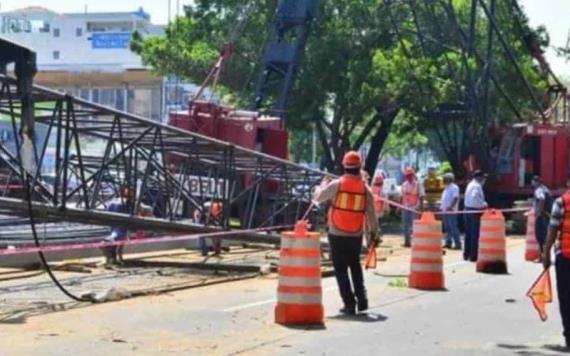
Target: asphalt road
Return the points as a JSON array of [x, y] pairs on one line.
[[478, 315]]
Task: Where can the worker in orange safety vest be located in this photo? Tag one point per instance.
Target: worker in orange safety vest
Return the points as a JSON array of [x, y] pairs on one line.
[[560, 231], [412, 200], [212, 217], [378, 193], [351, 212]]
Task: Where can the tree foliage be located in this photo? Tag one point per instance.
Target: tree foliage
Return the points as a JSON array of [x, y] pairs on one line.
[[367, 63]]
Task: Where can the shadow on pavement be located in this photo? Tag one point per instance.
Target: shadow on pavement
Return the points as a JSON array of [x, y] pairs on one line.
[[557, 348], [305, 327], [363, 317], [512, 347], [525, 350]]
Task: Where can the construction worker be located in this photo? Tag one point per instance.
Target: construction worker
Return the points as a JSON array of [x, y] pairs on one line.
[[352, 209], [560, 231], [121, 204], [540, 205], [378, 193], [474, 201], [211, 218], [433, 185], [412, 200], [449, 206]]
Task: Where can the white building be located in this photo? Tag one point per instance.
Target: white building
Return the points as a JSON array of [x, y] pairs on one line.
[[88, 55]]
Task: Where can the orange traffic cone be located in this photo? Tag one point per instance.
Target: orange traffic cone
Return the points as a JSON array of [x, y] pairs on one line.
[[299, 295], [492, 244], [532, 252], [426, 270]]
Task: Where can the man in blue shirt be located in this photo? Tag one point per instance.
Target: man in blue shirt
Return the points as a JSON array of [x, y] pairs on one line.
[[114, 254], [449, 206]]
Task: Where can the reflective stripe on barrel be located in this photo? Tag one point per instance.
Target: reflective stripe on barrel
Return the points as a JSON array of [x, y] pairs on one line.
[[532, 250], [299, 293], [492, 256], [426, 266]]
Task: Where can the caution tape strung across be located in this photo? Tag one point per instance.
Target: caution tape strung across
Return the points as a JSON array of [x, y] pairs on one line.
[[460, 212]]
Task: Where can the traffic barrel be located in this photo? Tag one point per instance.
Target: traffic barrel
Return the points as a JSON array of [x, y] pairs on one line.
[[426, 270], [492, 243], [299, 294], [532, 251]]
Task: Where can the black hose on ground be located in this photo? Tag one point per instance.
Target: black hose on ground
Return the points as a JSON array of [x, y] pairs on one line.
[[41, 255]]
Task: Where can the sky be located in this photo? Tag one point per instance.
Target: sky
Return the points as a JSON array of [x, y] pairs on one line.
[[551, 13], [554, 15]]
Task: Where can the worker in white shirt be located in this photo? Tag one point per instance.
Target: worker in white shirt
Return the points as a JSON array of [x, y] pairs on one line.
[[449, 206], [474, 201]]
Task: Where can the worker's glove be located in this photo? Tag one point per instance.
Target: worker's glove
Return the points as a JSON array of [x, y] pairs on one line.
[[374, 240]]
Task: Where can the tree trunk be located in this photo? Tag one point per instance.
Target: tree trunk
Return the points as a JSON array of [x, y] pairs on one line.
[[387, 120]]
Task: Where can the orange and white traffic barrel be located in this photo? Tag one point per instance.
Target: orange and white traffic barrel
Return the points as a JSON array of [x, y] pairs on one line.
[[299, 294], [492, 257], [532, 251], [426, 270]]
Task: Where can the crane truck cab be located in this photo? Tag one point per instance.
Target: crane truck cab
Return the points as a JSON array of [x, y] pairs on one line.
[[527, 150]]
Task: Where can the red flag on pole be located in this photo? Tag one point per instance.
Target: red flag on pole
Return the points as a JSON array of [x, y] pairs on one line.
[[541, 294]]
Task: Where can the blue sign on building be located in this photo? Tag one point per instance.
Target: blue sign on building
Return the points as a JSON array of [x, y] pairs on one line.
[[110, 40]]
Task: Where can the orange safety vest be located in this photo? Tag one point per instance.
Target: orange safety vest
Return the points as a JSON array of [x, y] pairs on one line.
[[565, 236], [377, 190], [214, 213], [411, 197], [349, 206]]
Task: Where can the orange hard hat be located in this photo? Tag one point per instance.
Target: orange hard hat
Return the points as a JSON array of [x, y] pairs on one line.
[[352, 160], [409, 172]]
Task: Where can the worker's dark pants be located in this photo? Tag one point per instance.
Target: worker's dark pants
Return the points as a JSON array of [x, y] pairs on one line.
[[540, 230], [472, 227], [563, 285], [345, 255]]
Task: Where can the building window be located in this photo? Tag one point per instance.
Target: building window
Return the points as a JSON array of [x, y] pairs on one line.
[[79, 32], [56, 32], [120, 99], [55, 54], [107, 97], [95, 95]]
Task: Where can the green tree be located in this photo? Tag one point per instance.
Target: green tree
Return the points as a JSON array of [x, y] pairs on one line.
[[367, 63]]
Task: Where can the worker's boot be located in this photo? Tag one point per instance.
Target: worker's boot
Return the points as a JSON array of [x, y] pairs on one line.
[[110, 256], [348, 310], [362, 299], [362, 305]]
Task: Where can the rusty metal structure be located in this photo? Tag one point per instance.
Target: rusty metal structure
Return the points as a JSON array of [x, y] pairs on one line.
[[81, 155]]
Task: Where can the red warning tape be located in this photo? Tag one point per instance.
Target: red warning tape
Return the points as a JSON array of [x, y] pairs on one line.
[[460, 212]]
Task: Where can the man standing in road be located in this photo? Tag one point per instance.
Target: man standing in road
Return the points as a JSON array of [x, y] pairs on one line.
[[122, 205], [474, 201], [560, 231], [412, 200], [449, 206], [351, 211], [540, 205]]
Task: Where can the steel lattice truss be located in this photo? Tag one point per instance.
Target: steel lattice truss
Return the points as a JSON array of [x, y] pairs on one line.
[[97, 151]]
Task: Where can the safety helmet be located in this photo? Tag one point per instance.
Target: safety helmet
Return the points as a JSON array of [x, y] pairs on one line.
[[352, 160]]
